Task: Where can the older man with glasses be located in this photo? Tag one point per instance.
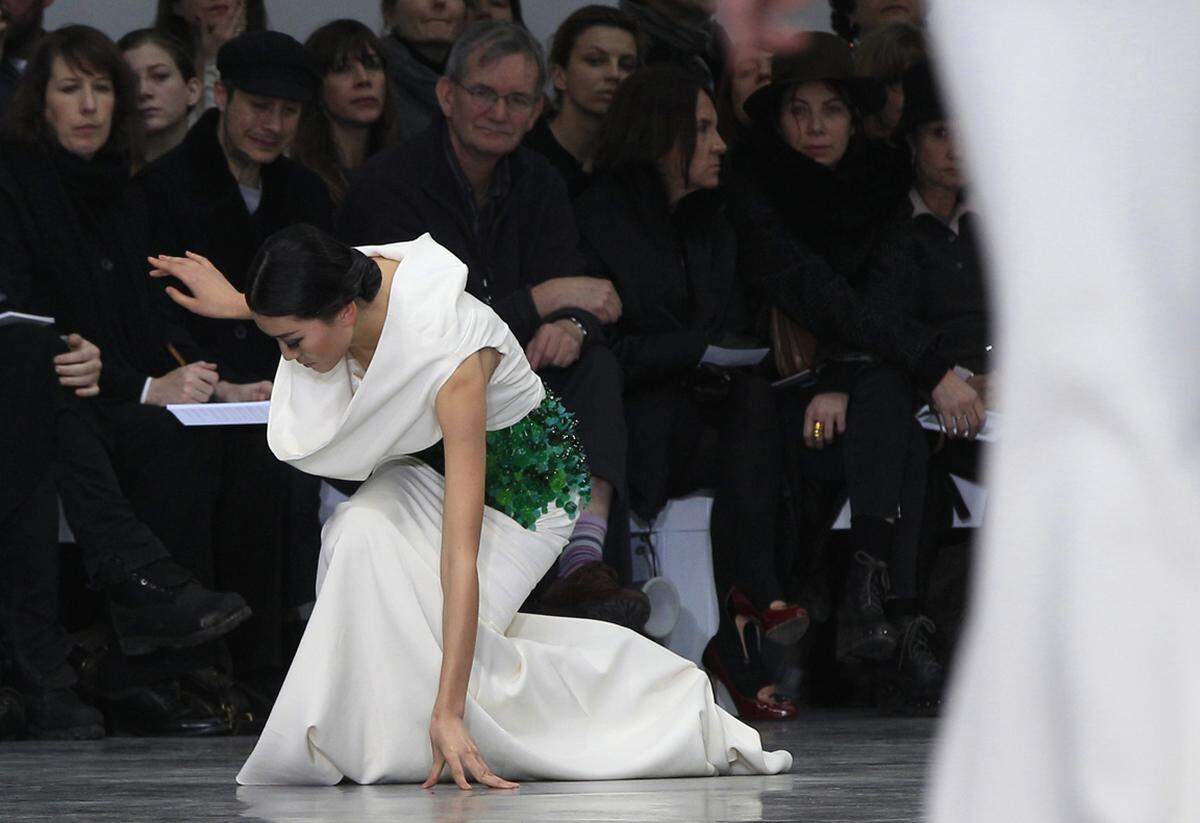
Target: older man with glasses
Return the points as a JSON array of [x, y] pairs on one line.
[[504, 211]]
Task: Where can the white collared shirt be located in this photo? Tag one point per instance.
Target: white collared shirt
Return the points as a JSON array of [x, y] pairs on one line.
[[919, 208]]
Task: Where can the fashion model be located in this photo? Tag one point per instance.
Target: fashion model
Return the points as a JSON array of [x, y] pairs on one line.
[[415, 664]]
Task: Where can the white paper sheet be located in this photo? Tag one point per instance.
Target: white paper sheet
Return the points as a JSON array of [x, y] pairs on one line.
[[221, 414], [9, 317], [991, 427], [732, 358]]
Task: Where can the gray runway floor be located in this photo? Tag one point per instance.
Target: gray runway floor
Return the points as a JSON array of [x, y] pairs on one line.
[[850, 767]]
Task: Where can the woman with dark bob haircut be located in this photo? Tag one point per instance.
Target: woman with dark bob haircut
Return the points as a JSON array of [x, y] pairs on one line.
[[74, 234], [415, 636], [354, 113], [652, 224]]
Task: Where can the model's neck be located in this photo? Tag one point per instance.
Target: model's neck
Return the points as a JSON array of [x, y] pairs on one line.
[[577, 131], [369, 327]]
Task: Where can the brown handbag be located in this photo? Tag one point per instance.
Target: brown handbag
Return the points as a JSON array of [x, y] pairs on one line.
[[794, 346]]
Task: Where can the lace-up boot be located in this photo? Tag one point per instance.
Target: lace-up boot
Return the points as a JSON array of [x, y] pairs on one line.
[[864, 632]]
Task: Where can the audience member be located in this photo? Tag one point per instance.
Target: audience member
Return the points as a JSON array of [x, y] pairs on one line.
[[504, 212], [134, 484], [854, 19], [748, 70], [682, 32], [206, 25], [30, 625], [20, 31], [811, 205], [168, 88], [885, 54], [421, 33], [506, 10], [354, 115], [593, 50], [650, 224], [220, 193]]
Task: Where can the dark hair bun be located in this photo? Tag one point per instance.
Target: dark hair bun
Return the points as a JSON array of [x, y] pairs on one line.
[[304, 272], [364, 278]]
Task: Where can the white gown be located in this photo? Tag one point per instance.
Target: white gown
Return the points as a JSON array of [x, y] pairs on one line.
[[549, 698]]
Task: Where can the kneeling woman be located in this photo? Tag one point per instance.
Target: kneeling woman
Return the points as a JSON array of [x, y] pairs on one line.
[[415, 634]]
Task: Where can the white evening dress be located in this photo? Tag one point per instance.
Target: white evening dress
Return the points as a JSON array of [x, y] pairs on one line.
[[549, 698]]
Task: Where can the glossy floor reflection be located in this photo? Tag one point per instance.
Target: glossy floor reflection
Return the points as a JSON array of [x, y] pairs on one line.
[[850, 767]]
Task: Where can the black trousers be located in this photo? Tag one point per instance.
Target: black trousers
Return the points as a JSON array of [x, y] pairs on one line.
[[29, 562], [591, 388], [680, 444], [136, 486], [882, 459]]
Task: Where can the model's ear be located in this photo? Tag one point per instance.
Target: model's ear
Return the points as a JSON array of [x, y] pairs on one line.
[[348, 315]]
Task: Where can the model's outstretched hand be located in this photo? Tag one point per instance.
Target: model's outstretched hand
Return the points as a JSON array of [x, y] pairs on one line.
[[211, 294], [452, 746]]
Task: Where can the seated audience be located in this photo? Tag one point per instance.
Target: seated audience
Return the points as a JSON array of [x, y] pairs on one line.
[[20, 31], [593, 50], [30, 626], [682, 32], [811, 205], [504, 212], [854, 19], [420, 34], [134, 484], [748, 70], [221, 193], [206, 25], [168, 88], [506, 10], [884, 55], [354, 114], [651, 224]]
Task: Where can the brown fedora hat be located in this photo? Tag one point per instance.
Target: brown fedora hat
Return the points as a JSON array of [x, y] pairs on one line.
[[821, 57]]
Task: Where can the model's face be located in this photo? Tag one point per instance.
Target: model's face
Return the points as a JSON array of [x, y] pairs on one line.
[[256, 128], [79, 108], [704, 171], [353, 92], [601, 59], [316, 344], [936, 161], [816, 122], [429, 21], [164, 96], [492, 10], [870, 14], [492, 108], [751, 71]]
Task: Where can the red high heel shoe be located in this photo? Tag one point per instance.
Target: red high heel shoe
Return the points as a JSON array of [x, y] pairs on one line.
[[783, 627], [749, 706]]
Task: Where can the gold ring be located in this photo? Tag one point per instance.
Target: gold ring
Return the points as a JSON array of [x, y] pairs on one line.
[[818, 427]]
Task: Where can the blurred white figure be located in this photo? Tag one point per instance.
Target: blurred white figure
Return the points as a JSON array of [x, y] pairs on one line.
[[1077, 697]]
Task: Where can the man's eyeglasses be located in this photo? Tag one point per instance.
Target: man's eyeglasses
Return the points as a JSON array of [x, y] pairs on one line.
[[486, 98]]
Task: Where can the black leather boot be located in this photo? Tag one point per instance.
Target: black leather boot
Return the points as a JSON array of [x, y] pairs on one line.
[[864, 632], [911, 683], [161, 606]]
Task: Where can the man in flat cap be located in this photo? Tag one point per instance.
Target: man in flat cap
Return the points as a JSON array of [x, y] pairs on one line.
[[221, 193]]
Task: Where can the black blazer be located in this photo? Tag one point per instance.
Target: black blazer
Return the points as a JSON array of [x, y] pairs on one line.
[[411, 189], [195, 205]]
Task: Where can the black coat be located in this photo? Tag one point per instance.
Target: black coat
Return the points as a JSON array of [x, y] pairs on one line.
[[806, 236], [411, 189], [73, 246], [930, 273], [195, 205]]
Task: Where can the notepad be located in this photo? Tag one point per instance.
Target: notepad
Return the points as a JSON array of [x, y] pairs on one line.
[[221, 414], [732, 358], [991, 427], [8, 318]]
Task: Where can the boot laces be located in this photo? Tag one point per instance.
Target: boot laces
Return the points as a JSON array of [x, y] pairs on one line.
[[877, 581], [915, 644]]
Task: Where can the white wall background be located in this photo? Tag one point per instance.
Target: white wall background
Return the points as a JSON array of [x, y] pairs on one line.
[[299, 17]]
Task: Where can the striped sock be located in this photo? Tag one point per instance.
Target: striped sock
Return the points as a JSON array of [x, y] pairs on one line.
[[586, 544]]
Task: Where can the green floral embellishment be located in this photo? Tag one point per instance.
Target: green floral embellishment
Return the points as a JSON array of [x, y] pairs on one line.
[[536, 463]]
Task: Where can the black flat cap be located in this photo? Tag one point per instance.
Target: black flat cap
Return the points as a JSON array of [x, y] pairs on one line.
[[268, 63]]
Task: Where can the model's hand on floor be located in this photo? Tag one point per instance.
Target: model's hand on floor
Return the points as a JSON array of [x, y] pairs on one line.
[[452, 746]]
